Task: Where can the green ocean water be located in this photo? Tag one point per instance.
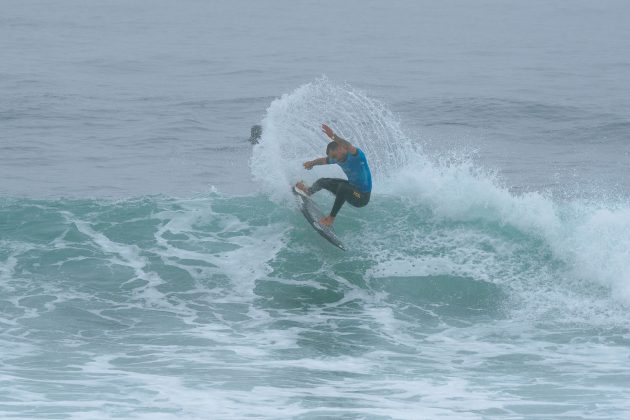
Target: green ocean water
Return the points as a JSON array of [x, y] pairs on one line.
[[232, 306]]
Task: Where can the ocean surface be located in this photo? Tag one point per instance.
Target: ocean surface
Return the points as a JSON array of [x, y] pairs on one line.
[[153, 263]]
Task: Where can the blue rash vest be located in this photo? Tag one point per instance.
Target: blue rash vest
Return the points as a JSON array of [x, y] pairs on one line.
[[357, 170]]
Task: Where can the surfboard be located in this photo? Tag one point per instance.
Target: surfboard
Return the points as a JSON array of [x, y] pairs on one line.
[[313, 214]]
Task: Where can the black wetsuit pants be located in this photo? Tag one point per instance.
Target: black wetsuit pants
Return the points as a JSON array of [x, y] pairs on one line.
[[343, 192]]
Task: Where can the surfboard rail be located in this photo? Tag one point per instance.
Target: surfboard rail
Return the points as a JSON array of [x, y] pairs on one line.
[[313, 214]]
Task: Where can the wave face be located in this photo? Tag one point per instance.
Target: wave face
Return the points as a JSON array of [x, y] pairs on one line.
[[590, 239], [456, 299]]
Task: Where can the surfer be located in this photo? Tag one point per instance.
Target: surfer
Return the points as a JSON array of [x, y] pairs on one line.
[[356, 190], [256, 133]]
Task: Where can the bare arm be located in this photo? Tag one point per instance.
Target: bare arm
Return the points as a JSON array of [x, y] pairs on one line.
[[319, 161], [340, 141]]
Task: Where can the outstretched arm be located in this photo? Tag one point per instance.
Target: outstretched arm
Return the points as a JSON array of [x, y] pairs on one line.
[[340, 141], [319, 161]]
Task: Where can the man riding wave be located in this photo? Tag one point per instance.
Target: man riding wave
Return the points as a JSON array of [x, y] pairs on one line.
[[356, 190]]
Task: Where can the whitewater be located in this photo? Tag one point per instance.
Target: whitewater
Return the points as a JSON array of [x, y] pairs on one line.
[[458, 298]]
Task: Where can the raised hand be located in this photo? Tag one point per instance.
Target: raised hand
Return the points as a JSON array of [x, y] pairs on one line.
[[309, 165], [328, 131]]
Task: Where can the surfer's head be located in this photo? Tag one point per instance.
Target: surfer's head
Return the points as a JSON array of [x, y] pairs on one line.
[[336, 151]]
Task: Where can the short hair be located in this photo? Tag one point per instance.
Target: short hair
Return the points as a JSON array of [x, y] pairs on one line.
[[332, 146]]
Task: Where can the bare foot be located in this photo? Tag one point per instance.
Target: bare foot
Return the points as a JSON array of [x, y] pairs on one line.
[[300, 186], [327, 221]]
